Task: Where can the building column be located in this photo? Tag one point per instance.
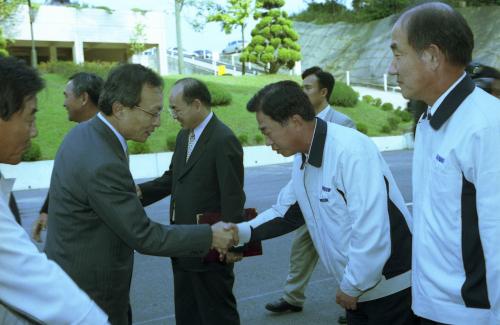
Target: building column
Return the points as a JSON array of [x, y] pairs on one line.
[[53, 53], [78, 52]]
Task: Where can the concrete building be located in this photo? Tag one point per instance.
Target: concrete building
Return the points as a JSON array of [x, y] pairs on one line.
[[89, 34]]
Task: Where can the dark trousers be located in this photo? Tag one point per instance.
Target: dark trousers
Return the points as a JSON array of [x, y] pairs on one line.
[[205, 298], [394, 310]]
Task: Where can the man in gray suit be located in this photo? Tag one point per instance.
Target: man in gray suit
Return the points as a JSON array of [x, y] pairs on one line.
[[318, 86], [96, 220]]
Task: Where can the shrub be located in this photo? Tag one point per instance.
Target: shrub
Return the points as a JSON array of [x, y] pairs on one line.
[[343, 95], [367, 99], [68, 68], [385, 129], [33, 153], [393, 122], [405, 116], [259, 139], [220, 97], [387, 107], [171, 143], [362, 128], [138, 147], [377, 102], [243, 138]]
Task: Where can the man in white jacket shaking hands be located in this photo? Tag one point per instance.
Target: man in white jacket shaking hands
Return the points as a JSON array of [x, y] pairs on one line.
[[345, 193]]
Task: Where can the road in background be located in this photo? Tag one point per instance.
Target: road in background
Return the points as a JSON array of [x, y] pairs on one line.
[[258, 279]]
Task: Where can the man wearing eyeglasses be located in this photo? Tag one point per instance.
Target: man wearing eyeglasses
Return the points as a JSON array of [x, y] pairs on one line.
[[96, 220], [205, 175]]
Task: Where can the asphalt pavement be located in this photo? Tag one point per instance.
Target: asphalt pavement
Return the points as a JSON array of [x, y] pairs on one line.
[[258, 279]]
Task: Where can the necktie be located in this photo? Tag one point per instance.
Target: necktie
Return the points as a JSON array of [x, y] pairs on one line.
[[191, 142]]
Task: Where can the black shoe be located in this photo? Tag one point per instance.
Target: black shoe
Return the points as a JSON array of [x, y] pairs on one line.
[[281, 306], [342, 320]]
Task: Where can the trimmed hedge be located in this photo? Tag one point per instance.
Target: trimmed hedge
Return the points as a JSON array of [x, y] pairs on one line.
[[343, 95], [220, 96], [405, 116], [387, 107], [171, 142], [393, 122], [243, 139], [367, 99], [68, 68], [362, 128], [33, 153], [259, 139], [138, 147]]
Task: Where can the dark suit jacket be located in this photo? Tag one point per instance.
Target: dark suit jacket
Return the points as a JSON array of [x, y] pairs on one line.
[[210, 181], [96, 220]]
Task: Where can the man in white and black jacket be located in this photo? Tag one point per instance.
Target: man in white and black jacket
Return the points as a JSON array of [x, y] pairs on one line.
[[345, 193], [456, 170]]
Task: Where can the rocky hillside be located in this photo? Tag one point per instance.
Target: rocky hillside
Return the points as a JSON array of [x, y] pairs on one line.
[[363, 49]]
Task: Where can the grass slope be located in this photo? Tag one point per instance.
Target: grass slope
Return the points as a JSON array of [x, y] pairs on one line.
[[53, 123]]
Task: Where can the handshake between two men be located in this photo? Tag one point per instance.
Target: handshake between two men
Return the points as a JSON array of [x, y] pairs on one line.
[[225, 236]]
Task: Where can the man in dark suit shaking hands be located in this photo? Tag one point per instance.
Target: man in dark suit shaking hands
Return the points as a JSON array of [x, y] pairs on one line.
[[96, 220], [206, 175]]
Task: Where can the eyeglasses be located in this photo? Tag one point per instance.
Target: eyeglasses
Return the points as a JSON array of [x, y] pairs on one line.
[[153, 115]]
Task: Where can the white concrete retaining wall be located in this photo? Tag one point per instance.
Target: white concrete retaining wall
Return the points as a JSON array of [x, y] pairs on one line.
[[35, 175]]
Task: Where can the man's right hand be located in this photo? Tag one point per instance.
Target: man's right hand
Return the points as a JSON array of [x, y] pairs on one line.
[[39, 225], [224, 236]]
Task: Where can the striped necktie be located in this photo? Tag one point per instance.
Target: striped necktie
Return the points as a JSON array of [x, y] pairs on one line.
[[191, 142]]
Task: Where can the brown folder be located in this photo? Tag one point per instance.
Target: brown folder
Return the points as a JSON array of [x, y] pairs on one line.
[[253, 248]]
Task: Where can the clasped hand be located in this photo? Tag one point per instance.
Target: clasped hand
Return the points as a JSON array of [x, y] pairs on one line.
[[224, 236]]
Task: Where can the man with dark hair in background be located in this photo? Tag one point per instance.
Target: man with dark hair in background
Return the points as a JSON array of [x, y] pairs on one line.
[[456, 174], [318, 85], [81, 96], [32, 288], [96, 221], [343, 190], [205, 175]]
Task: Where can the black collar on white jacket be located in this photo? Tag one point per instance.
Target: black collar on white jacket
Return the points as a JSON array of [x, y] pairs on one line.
[[451, 102], [317, 145]]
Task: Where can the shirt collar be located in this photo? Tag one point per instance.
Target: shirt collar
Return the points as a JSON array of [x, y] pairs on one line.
[[323, 113], [6, 185], [199, 129], [450, 100], [315, 155], [118, 135]]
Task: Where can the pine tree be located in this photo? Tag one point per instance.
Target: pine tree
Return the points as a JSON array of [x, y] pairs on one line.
[[274, 41]]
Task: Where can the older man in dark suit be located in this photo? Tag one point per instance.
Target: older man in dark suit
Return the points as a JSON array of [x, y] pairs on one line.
[[206, 175], [96, 220]]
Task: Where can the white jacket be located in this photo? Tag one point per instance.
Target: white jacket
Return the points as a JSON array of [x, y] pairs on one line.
[[456, 193], [362, 234], [35, 286]]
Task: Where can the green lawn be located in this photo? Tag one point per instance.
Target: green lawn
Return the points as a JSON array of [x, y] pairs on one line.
[[53, 123]]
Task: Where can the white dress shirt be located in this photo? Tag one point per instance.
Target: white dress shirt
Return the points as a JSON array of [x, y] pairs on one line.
[[199, 129], [120, 137]]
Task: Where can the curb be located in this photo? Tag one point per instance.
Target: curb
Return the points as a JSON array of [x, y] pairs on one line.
[[36, 175]]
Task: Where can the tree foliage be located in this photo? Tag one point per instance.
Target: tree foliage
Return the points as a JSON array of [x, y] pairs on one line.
[[274, 41], [232, 16], [7, 10], [138, 39], [331, 11]]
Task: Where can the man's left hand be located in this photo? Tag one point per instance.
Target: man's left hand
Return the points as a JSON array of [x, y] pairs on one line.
[[346, 301]]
